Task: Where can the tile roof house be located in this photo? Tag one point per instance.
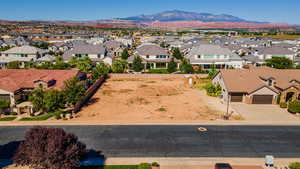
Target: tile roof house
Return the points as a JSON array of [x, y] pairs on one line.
[[259, 85], [97, 53], [16, 84], [207, 55]]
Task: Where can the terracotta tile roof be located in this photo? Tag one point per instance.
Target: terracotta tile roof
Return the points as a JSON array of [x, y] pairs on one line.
[[15, 79], [249, 80]]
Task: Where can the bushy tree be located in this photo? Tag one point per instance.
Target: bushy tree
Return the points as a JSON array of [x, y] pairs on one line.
[[172, 66], [125, 55], [297, 66], [13, 65], [101, 69], [177, 54], [213, 89], [294, 106], [4, 104], [186, 67], [137, 64], [37, 99], [84, 64], [119, 66], [49, 148], [280, 63], [60, 64], [295, 165], [74, 90], [54, 100]]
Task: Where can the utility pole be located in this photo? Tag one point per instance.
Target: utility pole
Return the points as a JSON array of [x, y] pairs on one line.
[[228, 100]]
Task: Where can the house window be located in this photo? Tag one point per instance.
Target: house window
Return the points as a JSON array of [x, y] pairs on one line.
[[270, 82], [147, 56]]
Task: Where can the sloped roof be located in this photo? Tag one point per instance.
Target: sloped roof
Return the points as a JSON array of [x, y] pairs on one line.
[[14, 79], [151, 50], [24, 50], [249, 80]]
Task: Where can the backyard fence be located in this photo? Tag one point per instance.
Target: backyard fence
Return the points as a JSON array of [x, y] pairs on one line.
[[89, 94]]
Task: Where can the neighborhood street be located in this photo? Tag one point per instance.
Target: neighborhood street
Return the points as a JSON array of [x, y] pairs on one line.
[[176, 141]]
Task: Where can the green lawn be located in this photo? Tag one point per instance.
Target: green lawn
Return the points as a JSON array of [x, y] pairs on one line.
[[38, 118], [113, 167], [8, 118]]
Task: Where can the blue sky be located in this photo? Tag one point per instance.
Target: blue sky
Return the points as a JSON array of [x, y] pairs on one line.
[[259, 10]]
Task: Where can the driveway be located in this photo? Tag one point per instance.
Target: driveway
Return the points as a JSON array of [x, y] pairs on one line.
[[263, 112]]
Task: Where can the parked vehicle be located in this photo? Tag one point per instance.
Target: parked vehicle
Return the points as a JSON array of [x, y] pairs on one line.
[[223, 166]]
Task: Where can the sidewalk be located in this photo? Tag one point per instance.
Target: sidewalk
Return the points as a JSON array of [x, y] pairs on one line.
[[199, 163], [216, 122]]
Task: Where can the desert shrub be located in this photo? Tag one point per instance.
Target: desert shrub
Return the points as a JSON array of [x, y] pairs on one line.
[[53, 149], [213, 89], [283, 105], [144, 166], [295, 165], [294, 106]]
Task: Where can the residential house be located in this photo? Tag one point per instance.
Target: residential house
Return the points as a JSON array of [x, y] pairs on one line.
[[259, 85], [207, 55], [22, 54], [115, 48], [153, 56], [17, 84], [274, 51], [97, 53]]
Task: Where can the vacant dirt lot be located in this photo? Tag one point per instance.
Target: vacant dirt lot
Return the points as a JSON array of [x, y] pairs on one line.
[[147, 99]]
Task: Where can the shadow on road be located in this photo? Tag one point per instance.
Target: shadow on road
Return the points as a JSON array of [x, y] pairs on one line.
[[6, 153]]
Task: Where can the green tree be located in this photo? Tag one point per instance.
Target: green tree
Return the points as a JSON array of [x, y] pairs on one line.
[[186, 67], [172, 66], [60, 64], [37, 99], [125, 55], [4, 104], [119, 66], [280, 63], [177, 54], [74, 90], [295, 165], [297, 66], [53, 100], [213, 89], [101, 69], [294, 106], [84, 64], [13, 65], [137, 64]]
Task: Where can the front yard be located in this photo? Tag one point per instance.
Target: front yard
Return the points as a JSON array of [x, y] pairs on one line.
[[149, 99]]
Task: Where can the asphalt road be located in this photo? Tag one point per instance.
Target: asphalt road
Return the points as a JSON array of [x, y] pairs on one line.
[[177, 141]]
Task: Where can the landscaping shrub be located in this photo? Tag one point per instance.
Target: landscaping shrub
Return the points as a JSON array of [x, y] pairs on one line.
[[158, 71], [283, 105], [294, 106], [213, 89], [155, 164], [144, 166], [295, 165], [58, 114], [38, 118], [8, 118], [50, 148]]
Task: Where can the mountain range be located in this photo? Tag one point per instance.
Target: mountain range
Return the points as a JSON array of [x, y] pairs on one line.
[[178, 15]]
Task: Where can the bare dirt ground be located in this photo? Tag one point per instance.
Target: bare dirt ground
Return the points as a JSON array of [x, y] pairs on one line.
[[148, 99]]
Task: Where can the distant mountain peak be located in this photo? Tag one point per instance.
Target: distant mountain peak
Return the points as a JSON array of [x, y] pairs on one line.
[[180, 15]]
